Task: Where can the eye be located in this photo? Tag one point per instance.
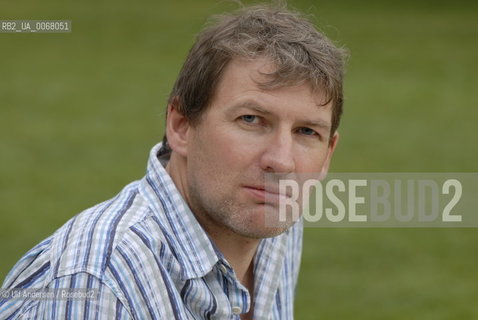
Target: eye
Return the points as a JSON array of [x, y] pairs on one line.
[[249, 118], [307, 131]]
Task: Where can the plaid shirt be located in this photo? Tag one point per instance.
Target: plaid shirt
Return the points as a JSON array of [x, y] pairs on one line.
[[147, 257]]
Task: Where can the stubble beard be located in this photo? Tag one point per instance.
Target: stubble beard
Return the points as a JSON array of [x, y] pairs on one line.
[[225, 212]]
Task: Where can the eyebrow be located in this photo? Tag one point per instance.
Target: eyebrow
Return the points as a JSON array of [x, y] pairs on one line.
[[253, 106], [318, 123]]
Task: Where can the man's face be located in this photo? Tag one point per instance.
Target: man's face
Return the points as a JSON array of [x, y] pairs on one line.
[[246, 133]]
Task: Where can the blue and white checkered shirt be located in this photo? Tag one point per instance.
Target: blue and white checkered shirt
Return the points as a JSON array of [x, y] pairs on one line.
[[147, 257]]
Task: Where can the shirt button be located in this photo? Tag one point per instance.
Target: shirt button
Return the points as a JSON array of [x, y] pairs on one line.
[[223, 268], [236, 310]]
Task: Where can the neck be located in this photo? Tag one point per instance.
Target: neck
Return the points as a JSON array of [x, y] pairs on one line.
[[238, 250]]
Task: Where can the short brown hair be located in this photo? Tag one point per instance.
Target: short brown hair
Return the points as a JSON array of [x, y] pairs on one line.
[[300, 52]]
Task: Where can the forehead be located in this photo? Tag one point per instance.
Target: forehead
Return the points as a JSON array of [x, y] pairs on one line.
[[250, 78]]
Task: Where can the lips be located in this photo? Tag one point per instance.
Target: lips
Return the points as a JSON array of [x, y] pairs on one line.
[[267, 193]]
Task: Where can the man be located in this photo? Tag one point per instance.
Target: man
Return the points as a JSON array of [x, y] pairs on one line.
[[260, 93]]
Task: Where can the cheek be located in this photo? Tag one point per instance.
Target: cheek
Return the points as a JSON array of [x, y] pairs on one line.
[[227, 149], [209, 161], [311, 161]]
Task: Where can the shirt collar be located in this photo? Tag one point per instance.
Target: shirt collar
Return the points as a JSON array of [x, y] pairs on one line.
[[185, 236]]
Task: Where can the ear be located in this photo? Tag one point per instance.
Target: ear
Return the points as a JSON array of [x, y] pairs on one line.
[[177, 127], [330, 151]]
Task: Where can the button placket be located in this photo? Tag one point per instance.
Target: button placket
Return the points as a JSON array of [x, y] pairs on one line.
[[236, 310], [223, 268]]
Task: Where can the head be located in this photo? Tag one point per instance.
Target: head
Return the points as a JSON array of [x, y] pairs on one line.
[[260, 92]]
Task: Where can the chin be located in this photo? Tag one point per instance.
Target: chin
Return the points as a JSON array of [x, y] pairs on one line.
[[256, 232], [263, 223], [269, 233]]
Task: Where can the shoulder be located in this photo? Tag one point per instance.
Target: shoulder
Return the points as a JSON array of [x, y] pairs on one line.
[[80, 295], [84, 244], [117, 246]]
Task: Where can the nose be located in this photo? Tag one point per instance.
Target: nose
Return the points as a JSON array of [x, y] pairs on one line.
[[278, 156]]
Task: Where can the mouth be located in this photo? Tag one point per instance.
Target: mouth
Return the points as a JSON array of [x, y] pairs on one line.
[[267, 194]]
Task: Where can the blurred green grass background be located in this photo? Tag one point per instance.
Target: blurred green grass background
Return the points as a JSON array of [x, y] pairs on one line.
[[80, 111]]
